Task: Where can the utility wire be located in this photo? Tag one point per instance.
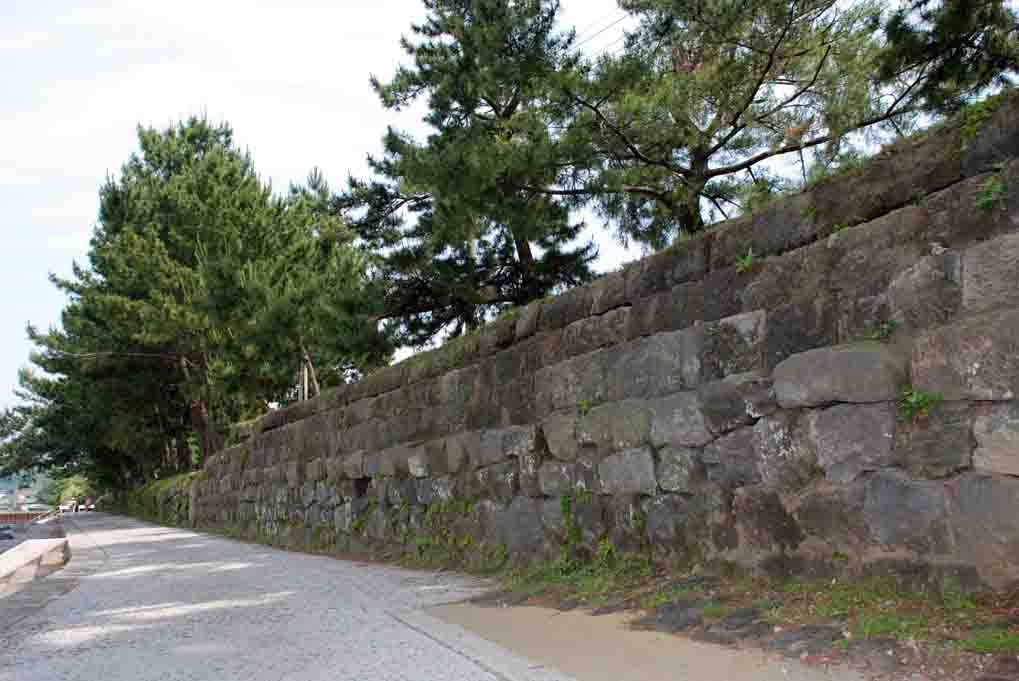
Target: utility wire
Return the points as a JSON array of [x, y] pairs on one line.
[[595, 35]]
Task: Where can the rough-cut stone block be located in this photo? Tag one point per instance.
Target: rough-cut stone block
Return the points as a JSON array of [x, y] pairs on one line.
[[732, 459], [565, 385], [678, 469], [733, 345], [560, 432], [314, 470], [957, 222], [615, 426], [662, 270], [608, 292], [648, 367], [295, 473], [763, 521], [436, 490], [937, 444], [592, 333], [530, 466], [527, 320], [928, 293], [778, 227], [798, 327], [419, 464], [786, 460], [722, 292], [678, 420], [520, 528], [678, 308], [797, 276], [631, 471], [985, 525], [565, 309], [556, 478], [851, 439], [891, 179], [990, 273], [996, 429], [904, 513], [996, 139], [859, 372], [834, 515], [976, 358], [866, 258], [735, 401], [500, 482]]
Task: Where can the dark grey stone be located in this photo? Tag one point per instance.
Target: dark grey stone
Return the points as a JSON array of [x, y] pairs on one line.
[[519, 528], [556, 478], [785, 457], [990, 271], [631, 471], [737, 400], [678, 469], [985, 525], [614, 426], [905, 513], [996, 429], [937, 444], [851, 439], [560, 433], [927, 294], [678, 421], [733, 345], [732, 459], [860, 372], [658, 365]]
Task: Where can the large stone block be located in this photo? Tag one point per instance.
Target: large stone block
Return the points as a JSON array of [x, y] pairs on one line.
[[678, 469], [866, 258], [905, 513], [608, 292], [631, 471], [990, 273], [851, 439], [797, 327], [928, 293], [566, 384], [527, 320], [556, 478], [786, 459], [834, 515], [778, 227], [957, 222], [996, 138], [592, 333], [677, 420], [614, 426], [859, 372], [735, 401], [976, 358], [985, 524], [658, 365], [530, 467], [733, 345], [996, 429], [560, 433], [763, 522], [938, 443], [499, 482], [520, 528], [678, 308], [563, 310], [731, 460]]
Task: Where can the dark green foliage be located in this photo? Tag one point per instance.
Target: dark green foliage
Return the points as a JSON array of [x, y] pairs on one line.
[[202, 292], [462, 220], [960, 46]]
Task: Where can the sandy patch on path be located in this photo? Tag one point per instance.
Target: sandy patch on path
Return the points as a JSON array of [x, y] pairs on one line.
[[604, 648]]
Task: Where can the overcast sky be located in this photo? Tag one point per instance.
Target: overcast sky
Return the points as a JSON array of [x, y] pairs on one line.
[[290, 77]]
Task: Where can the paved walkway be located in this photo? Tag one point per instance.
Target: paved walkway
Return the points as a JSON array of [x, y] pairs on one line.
[[140, 602], [145, 603]]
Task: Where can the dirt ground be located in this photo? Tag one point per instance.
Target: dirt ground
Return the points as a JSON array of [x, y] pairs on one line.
[[605, 648]]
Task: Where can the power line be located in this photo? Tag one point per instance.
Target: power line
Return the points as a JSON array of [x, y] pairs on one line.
[[592, 37], [596, 22]]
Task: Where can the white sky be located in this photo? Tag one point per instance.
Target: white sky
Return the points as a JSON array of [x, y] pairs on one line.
[[290, 77]]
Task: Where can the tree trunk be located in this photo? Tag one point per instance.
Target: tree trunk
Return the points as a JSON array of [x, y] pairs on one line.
[[209, 440]]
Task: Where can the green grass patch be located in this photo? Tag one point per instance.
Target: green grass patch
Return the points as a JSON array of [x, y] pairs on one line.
[[992, 640]]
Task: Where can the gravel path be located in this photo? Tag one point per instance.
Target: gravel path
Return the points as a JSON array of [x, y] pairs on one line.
[[145, 603]]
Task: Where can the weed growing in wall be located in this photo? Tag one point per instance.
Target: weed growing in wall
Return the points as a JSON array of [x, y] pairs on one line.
[[993, 193], [745, 262], [917, 403]]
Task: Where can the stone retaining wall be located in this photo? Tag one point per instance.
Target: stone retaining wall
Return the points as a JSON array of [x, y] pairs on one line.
[[704, 405]]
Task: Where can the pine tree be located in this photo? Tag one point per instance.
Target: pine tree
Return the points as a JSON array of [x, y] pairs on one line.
[[462, 218]]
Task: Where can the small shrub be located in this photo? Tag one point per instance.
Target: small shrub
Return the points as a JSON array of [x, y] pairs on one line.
[[993, 193], [917, 403], [745, 262], [883, 331]]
